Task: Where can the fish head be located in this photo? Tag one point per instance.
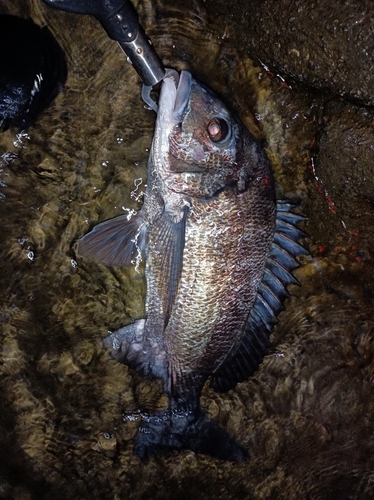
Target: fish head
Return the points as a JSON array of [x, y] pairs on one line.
[[203, 146]]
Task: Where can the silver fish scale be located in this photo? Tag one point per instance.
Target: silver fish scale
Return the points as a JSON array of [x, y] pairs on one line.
[[224, 256]]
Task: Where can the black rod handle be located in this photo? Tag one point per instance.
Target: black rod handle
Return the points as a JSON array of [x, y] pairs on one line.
[[120, 20]]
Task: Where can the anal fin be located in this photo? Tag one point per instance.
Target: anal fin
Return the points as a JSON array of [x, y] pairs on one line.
[[129, 346]]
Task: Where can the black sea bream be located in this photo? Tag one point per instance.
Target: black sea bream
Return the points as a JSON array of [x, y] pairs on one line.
[[219, 254]]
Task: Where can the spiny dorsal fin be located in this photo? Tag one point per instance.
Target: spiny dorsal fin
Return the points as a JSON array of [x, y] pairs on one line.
[[272, 292]]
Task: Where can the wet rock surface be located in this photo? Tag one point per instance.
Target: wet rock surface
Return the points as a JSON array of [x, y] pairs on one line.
[[69, 414], [326, 45], [344, 159]]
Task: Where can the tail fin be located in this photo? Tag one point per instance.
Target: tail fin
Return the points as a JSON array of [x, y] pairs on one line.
[[193, 431]]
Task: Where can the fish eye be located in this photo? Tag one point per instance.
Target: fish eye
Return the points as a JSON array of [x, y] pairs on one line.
[[218, 129]]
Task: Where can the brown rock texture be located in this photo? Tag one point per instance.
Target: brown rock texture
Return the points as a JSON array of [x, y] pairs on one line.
[[326, 45]]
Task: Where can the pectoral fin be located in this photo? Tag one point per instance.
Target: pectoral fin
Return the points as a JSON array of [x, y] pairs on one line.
[[168, 238], [115, 242]]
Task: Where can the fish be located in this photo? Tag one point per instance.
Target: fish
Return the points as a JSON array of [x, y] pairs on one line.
[[219, 254], [33, 71]]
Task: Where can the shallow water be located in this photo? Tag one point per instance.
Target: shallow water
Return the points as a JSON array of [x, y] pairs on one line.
[[70, 413]]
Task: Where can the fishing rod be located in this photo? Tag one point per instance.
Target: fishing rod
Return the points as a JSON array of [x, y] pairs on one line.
[[121, 22]]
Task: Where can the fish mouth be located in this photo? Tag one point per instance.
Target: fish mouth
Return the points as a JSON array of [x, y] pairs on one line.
[[183, 94], [175, 94], [172, 106]]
